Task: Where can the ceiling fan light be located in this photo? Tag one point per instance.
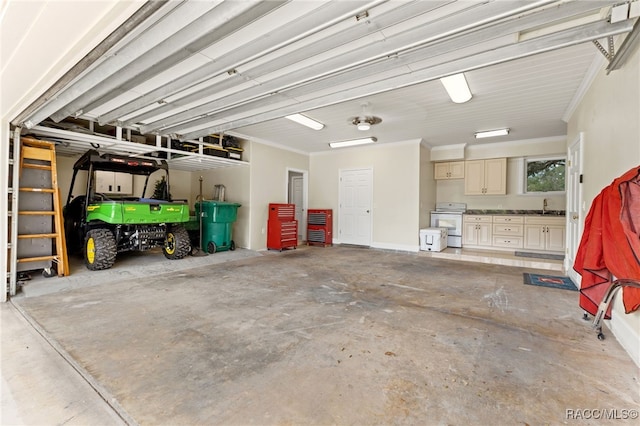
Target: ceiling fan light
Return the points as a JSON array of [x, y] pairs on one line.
[[352, 142], [363, 126], [492, 133], [457, 88], [306, 121]]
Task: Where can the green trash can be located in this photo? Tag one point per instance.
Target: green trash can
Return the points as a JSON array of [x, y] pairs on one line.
[[217, 224]]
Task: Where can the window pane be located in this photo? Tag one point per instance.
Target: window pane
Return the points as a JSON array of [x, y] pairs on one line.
[[545, 175]]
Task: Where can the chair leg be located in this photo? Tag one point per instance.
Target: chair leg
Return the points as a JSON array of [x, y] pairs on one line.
[[606, 301]]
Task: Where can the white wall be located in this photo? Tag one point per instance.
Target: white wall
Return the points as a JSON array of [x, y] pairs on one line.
[[268, 184], [396, 189], [428, 191], [609, 116], [453, 190], [236, 183]]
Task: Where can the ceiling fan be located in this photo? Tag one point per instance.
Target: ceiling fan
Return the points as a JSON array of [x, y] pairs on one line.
[[366, 120]]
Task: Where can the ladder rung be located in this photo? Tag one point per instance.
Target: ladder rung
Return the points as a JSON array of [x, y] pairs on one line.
[[49, 190], [31, 142], [36, 259], [35, 166], [31, 153], [36, 213], [29, 236]]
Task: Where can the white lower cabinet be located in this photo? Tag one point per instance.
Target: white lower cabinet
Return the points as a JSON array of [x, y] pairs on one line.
[[508, 232], [544, 233], [514, 232], [476, 230]]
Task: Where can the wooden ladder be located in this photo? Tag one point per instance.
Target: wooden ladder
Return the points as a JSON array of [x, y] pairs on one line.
[[41, 155]]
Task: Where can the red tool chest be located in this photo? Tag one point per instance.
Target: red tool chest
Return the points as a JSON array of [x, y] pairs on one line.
[[320, 227], [282, 227]]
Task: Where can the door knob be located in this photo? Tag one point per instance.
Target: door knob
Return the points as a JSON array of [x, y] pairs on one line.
[[574, 217]]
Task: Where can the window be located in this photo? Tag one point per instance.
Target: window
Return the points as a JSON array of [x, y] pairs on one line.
[[544, 175]]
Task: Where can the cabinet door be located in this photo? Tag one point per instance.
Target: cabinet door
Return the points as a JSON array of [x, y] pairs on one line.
[[470, 234], [474, 177], [104, 182], [484, 234], [534, 237], [114, 183], [123, 183], [495, 176], [456, 170], [555, 237], [441, 170]]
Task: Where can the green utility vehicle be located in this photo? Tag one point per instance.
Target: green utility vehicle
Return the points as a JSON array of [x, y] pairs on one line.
[[103, 224]]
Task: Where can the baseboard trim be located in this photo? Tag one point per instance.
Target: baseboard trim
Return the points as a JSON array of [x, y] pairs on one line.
[[398, 247]]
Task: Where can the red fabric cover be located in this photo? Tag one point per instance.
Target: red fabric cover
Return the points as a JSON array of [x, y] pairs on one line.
[[610, 244]]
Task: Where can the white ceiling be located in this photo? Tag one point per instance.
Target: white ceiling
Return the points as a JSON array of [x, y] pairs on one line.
[[195, 68]]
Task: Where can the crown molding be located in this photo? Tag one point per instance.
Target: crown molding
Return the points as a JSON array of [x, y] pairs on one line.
[[596, 66]]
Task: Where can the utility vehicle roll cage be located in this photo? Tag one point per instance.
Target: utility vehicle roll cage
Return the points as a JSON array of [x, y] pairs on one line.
[[92, 161]]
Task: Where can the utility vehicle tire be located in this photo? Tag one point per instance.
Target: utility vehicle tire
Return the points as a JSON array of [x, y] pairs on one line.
[[232, 247], [177, 244], [99, 249]]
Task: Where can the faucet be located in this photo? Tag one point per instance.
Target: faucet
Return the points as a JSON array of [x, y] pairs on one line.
[[544, 205]]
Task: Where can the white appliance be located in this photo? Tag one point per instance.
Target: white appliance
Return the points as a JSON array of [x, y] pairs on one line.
[[449, 215], [433, 239]]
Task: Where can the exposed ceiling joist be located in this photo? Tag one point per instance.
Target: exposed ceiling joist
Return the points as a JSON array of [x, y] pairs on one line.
[[508, 53], [195, 68]]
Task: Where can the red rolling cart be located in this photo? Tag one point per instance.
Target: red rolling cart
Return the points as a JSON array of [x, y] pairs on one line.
[[320, 227], [282, 227]]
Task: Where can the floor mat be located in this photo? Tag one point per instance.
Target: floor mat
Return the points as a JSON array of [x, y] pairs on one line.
[[539, 255], [552, 281]]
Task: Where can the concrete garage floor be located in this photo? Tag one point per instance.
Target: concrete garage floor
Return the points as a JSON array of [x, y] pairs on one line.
[[332, 335]]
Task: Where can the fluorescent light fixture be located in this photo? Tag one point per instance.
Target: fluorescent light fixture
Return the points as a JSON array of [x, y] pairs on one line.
[[306, 121], [492, 133], [457, 88], [352, 142]]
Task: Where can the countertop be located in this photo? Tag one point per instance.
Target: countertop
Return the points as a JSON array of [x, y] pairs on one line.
[[555, 213]]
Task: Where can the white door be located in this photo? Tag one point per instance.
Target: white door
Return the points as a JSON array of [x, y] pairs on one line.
[[574, 199], [355, 193], [297, 199]]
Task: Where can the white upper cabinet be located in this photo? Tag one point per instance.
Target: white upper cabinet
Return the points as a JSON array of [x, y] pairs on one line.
[[485, 177], [450, 170]]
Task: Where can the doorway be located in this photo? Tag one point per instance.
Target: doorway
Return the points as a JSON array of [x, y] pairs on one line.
[[355, 193], [297, 194], [574, 202]]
